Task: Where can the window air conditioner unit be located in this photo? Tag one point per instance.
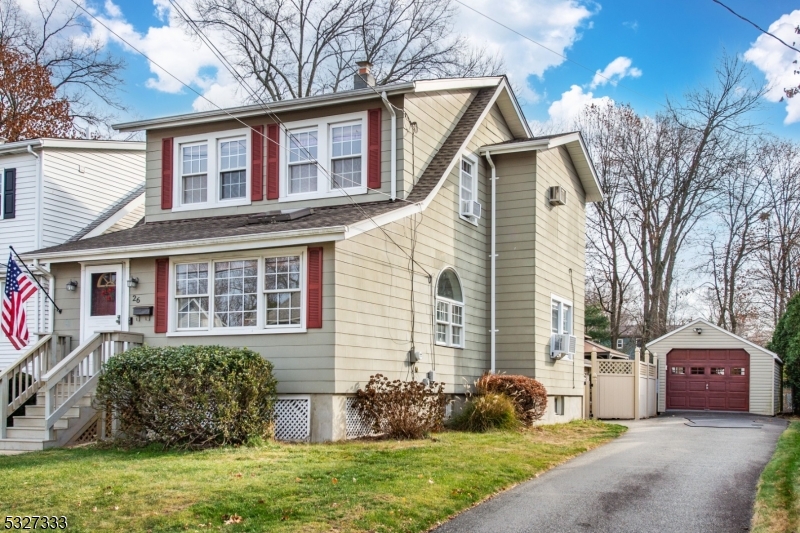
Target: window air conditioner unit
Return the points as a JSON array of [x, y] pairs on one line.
[[558, 195], [470, 208], [563, 346]]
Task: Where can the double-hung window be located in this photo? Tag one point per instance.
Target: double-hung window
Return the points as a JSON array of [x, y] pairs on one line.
[[468, 189], [346, 155], [324, 157], [303, 151], [245, 295], [449, 310], [212, 170], [561, 316]]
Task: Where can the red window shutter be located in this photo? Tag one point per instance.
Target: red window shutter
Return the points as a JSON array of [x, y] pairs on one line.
[[273, 161], [314, 307], [166, 173], [257, 164], [374, 149], [162, 295]]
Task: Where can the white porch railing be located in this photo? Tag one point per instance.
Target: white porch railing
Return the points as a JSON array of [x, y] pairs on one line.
[[20, 381], [77, 374]]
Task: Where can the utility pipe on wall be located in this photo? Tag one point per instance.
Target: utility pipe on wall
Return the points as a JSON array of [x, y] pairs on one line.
[[393, 162], [493, 313]]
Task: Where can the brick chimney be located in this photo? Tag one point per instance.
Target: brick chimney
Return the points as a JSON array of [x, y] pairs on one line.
[[364, 77]]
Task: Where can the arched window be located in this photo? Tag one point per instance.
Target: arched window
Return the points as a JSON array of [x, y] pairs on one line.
[[449, 310]]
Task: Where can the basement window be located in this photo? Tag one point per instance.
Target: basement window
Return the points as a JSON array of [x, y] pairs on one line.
[[558, 405]]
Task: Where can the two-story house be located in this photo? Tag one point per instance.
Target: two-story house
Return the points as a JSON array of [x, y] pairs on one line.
[[54, 190], [417, 230]]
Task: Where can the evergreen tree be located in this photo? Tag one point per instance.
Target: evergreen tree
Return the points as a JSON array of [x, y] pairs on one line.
[[597, 325], [786, 343]]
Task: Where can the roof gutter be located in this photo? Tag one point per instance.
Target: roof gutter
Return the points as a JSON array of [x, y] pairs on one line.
[[244, 242]]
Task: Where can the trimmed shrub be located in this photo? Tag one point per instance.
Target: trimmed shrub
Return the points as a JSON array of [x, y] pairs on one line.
[[528, 395], [189, 397], [486, 412], [401, 409]]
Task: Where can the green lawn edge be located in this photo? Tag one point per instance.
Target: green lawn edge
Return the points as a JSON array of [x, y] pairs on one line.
[[778, 494], [375, 486]]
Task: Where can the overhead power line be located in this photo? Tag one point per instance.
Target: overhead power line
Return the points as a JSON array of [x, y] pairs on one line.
[[759, 28]]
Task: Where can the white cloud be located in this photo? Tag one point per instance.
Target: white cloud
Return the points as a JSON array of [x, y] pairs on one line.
[[563, 112], [614, 72], [775, 61], [553, 23], [187, 59]]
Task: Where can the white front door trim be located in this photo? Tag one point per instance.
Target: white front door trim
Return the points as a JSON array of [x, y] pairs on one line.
[[89, 325]]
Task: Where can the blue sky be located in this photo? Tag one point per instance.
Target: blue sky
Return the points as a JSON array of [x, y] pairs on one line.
[[663, 48]]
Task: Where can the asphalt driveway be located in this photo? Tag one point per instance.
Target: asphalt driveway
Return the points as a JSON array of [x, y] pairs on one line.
[[661, 476]]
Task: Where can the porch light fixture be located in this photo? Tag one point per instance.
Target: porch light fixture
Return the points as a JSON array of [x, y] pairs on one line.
[[133, 282], [72, 285]]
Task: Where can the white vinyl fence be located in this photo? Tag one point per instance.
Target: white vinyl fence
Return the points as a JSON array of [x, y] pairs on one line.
[[624, 388]]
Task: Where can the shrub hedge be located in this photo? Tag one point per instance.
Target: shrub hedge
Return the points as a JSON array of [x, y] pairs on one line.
[[486, 412], [528, 395], [189, 396]]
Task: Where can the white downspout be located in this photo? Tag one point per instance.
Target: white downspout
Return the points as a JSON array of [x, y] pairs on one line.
[[493, 311], [37, 238], [393, 162]]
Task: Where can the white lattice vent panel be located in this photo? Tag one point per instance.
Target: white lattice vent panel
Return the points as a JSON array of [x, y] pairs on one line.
[[643, 370], [293, 419], [357, 426], [652, 371], [624, 368]]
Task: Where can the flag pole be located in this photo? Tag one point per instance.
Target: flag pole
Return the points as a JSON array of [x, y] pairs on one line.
[[36, 280]]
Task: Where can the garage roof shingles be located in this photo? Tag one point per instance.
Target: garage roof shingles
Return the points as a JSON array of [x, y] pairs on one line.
[[187, 230]]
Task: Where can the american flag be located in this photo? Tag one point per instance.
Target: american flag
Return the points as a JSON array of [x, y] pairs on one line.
[[19, 288]]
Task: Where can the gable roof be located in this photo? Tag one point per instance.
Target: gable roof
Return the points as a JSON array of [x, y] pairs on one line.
[[578, 152], [590, 346], [109, 213], [73, 144], [508, 104], [325, 223], [714, 326]]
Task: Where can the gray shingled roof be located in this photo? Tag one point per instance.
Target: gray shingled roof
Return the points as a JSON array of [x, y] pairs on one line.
[[187, 230], [110, 212]]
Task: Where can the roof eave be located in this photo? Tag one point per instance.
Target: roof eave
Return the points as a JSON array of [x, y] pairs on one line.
[[280, 238]]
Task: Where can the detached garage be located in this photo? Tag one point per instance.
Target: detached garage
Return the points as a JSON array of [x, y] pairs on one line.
[[703, 367]]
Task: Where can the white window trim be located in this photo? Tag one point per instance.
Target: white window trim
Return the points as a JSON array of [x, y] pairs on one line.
[[3, 191], [214, 193], [323, 126], [474, 161], [261, 313], [620, 344], [463, 305], [562, 302]]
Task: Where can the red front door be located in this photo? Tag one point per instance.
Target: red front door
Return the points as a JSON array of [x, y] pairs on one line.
[[716, 380]]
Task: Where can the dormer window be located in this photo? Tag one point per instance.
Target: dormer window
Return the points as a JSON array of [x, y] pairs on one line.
[[324, 157], [212, 170]]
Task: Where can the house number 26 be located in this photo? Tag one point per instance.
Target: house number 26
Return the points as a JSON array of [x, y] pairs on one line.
[[135, 298]]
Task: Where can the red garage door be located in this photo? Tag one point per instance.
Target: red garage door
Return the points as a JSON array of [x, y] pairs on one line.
[[717, 380]]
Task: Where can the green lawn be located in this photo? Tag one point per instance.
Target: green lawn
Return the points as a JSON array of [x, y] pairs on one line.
[[355, 486], [777, 507]]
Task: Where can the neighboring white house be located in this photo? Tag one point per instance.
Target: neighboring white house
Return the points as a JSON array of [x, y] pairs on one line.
[[54, 190], [704, 367]]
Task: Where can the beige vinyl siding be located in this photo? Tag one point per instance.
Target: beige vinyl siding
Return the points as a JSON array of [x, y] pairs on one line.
[[761, 364], [560, 267], [153, 210], [435, 114], [303, 361], [71, 199], [373, 305]]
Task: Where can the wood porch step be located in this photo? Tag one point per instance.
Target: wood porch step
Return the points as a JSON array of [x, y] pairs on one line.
[[25, 445], [38, 410], [86, 401], [37, 422], [28, 433]]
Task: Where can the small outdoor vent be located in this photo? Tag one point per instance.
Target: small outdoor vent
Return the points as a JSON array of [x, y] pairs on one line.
[[563, 346], [471, 209], [279, 216], [557, 195]]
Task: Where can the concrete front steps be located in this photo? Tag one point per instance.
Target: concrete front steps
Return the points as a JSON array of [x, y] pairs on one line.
[[28, 433]]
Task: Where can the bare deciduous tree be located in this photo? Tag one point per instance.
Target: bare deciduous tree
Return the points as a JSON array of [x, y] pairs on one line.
[[81, 70], [778, 255], [295, 48]]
